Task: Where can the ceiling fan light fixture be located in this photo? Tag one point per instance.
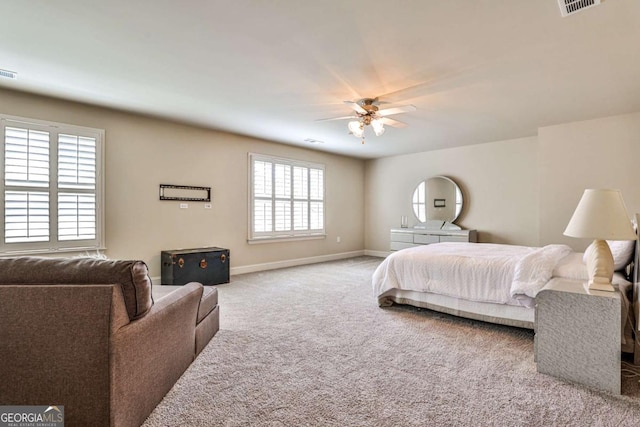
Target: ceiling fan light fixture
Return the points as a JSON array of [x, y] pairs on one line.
[[378, 126], [366, 112], [356, 128]]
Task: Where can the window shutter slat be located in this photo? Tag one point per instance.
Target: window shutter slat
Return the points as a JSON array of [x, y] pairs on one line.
[[282, 180], [26, 216], [282, 220], [262, 216], [300, 182], [76, 162], [301, 216], [76, 216], [26, 157], [316, 187], [262, 179], [316, 215]]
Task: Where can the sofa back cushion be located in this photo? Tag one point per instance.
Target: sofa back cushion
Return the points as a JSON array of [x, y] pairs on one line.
[[132, 276]]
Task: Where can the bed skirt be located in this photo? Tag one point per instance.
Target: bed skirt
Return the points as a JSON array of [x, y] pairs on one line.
[[510, 315]]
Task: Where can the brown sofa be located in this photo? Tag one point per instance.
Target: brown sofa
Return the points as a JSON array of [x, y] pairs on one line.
[[85, 334]]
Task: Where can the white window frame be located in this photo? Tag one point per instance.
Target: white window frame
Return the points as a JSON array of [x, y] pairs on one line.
[[54, 245], [273, 235]]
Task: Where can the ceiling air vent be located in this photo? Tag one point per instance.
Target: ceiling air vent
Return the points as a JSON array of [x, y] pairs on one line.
[[569, 7], [8, 74]]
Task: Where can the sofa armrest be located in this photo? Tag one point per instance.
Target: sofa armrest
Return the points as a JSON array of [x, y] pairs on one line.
[[149, 355], [54, 348]]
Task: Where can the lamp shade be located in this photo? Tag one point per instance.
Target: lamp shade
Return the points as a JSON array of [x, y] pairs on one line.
[[601, 214]]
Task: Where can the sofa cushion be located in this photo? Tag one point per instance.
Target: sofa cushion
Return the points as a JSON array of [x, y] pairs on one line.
[[208, 302], [132, 276]]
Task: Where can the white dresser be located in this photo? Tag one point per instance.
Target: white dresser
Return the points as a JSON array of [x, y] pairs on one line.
[[402, 238]]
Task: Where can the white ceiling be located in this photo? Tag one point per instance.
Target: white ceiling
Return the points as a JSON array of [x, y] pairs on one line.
[[477, 70]]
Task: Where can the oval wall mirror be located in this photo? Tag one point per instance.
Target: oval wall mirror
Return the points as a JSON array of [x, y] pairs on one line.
[[437, 198]]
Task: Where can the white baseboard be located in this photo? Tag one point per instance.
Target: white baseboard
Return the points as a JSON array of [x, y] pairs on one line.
[[293, 262], [381, 254]]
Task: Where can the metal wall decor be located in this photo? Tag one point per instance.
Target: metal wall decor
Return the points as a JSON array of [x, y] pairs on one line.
[[185, 193]]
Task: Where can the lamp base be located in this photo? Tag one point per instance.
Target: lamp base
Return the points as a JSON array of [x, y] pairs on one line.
[[593, 286], [600, 266]]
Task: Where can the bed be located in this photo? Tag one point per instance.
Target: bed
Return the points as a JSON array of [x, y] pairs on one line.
[[483, 281]]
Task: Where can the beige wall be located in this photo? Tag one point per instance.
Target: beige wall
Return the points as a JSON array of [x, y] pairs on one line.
[[143, 152], [499, 183], [600, 153], [522, 191]]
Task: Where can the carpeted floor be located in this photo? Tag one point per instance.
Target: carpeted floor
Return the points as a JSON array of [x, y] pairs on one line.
[[308, 346]]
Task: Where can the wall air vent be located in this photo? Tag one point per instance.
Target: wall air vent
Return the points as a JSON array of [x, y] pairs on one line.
[[8, 74], [569, 7]]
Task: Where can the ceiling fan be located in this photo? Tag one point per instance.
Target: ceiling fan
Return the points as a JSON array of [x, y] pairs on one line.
[[368, 113]]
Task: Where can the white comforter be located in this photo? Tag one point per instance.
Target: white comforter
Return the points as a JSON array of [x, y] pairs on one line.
[[503, 274]]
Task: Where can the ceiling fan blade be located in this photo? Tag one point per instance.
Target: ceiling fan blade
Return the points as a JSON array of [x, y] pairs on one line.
[[393, 123], [396, 110], [356, 107], [336, 118]]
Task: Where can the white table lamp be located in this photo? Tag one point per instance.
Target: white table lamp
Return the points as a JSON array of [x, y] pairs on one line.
[[600, 215]]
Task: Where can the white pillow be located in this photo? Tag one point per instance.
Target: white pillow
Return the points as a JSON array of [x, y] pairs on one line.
[[622, 251], [571, 267]]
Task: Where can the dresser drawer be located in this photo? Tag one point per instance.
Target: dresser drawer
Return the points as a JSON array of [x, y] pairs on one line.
[[396, 246], [425, 239], [402, 237], [454, 238]]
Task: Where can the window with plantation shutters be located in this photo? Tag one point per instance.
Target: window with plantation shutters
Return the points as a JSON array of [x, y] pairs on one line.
[[287, 198], [51, 181], [76, 187]]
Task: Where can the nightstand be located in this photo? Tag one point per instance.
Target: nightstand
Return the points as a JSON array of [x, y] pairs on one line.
[[578, 334]]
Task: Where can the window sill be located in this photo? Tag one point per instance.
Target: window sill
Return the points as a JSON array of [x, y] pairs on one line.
[[61, 252], [259, 240]]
